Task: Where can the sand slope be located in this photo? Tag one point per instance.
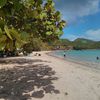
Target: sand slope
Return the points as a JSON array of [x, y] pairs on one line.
[[74, 81]]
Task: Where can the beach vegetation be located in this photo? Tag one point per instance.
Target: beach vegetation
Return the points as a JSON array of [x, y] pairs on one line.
[[25, 23]]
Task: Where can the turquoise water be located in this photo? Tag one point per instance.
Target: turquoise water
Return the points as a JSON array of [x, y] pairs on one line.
[[86, 56]]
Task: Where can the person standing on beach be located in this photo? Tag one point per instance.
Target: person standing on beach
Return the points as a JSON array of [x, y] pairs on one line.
[[64, 54]]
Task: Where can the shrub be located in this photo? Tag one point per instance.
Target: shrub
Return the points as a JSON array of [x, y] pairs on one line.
[[34, 45]]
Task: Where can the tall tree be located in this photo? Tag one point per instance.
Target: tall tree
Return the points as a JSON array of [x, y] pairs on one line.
[[37, 18]]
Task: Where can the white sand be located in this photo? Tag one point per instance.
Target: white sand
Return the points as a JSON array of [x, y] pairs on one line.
[[80, 82]]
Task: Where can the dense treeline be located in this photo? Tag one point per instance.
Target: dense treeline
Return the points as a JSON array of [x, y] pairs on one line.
[[28, 24], [77, 44], [86, 44]]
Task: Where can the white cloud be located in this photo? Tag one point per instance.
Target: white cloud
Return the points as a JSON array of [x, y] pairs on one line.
[[93, 34], [73, 9], [90, 34]]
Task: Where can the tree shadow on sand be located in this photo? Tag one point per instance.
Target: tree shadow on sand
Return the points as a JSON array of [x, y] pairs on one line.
[[25, 82], [20, 61]]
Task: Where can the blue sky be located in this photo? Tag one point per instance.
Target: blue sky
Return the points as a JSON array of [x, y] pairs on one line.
[[82, 17]]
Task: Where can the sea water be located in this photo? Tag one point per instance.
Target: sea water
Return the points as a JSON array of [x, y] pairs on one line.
[[88, 57]]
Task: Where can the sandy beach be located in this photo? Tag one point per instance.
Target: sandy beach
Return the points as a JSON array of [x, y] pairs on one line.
[[47, 78]]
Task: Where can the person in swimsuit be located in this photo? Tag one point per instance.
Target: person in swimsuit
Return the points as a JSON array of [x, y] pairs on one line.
[[97, 58], [64, 54]]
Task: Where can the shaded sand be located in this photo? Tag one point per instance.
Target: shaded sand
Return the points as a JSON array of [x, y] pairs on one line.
[[47, 78]]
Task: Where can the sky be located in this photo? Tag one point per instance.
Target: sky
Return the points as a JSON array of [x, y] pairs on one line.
[[82, 17]]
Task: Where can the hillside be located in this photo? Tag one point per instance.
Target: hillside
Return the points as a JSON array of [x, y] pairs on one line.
[[79, 43], [82, 43]]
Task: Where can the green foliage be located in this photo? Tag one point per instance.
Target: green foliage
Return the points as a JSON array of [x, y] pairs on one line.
[[9, 38], [34, 44], [81, 43], [77, 44], [27, 48], [7, 32], [21, 19], [2, 3]]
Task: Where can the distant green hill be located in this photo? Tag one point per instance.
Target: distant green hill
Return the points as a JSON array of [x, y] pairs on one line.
[[82, 40], [82, 43], [78, 44]]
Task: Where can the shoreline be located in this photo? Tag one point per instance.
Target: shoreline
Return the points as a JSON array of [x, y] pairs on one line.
[[87, 65], [84, 79], [72, 81]]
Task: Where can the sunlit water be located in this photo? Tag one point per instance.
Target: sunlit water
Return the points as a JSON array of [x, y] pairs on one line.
[[86, 57]]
